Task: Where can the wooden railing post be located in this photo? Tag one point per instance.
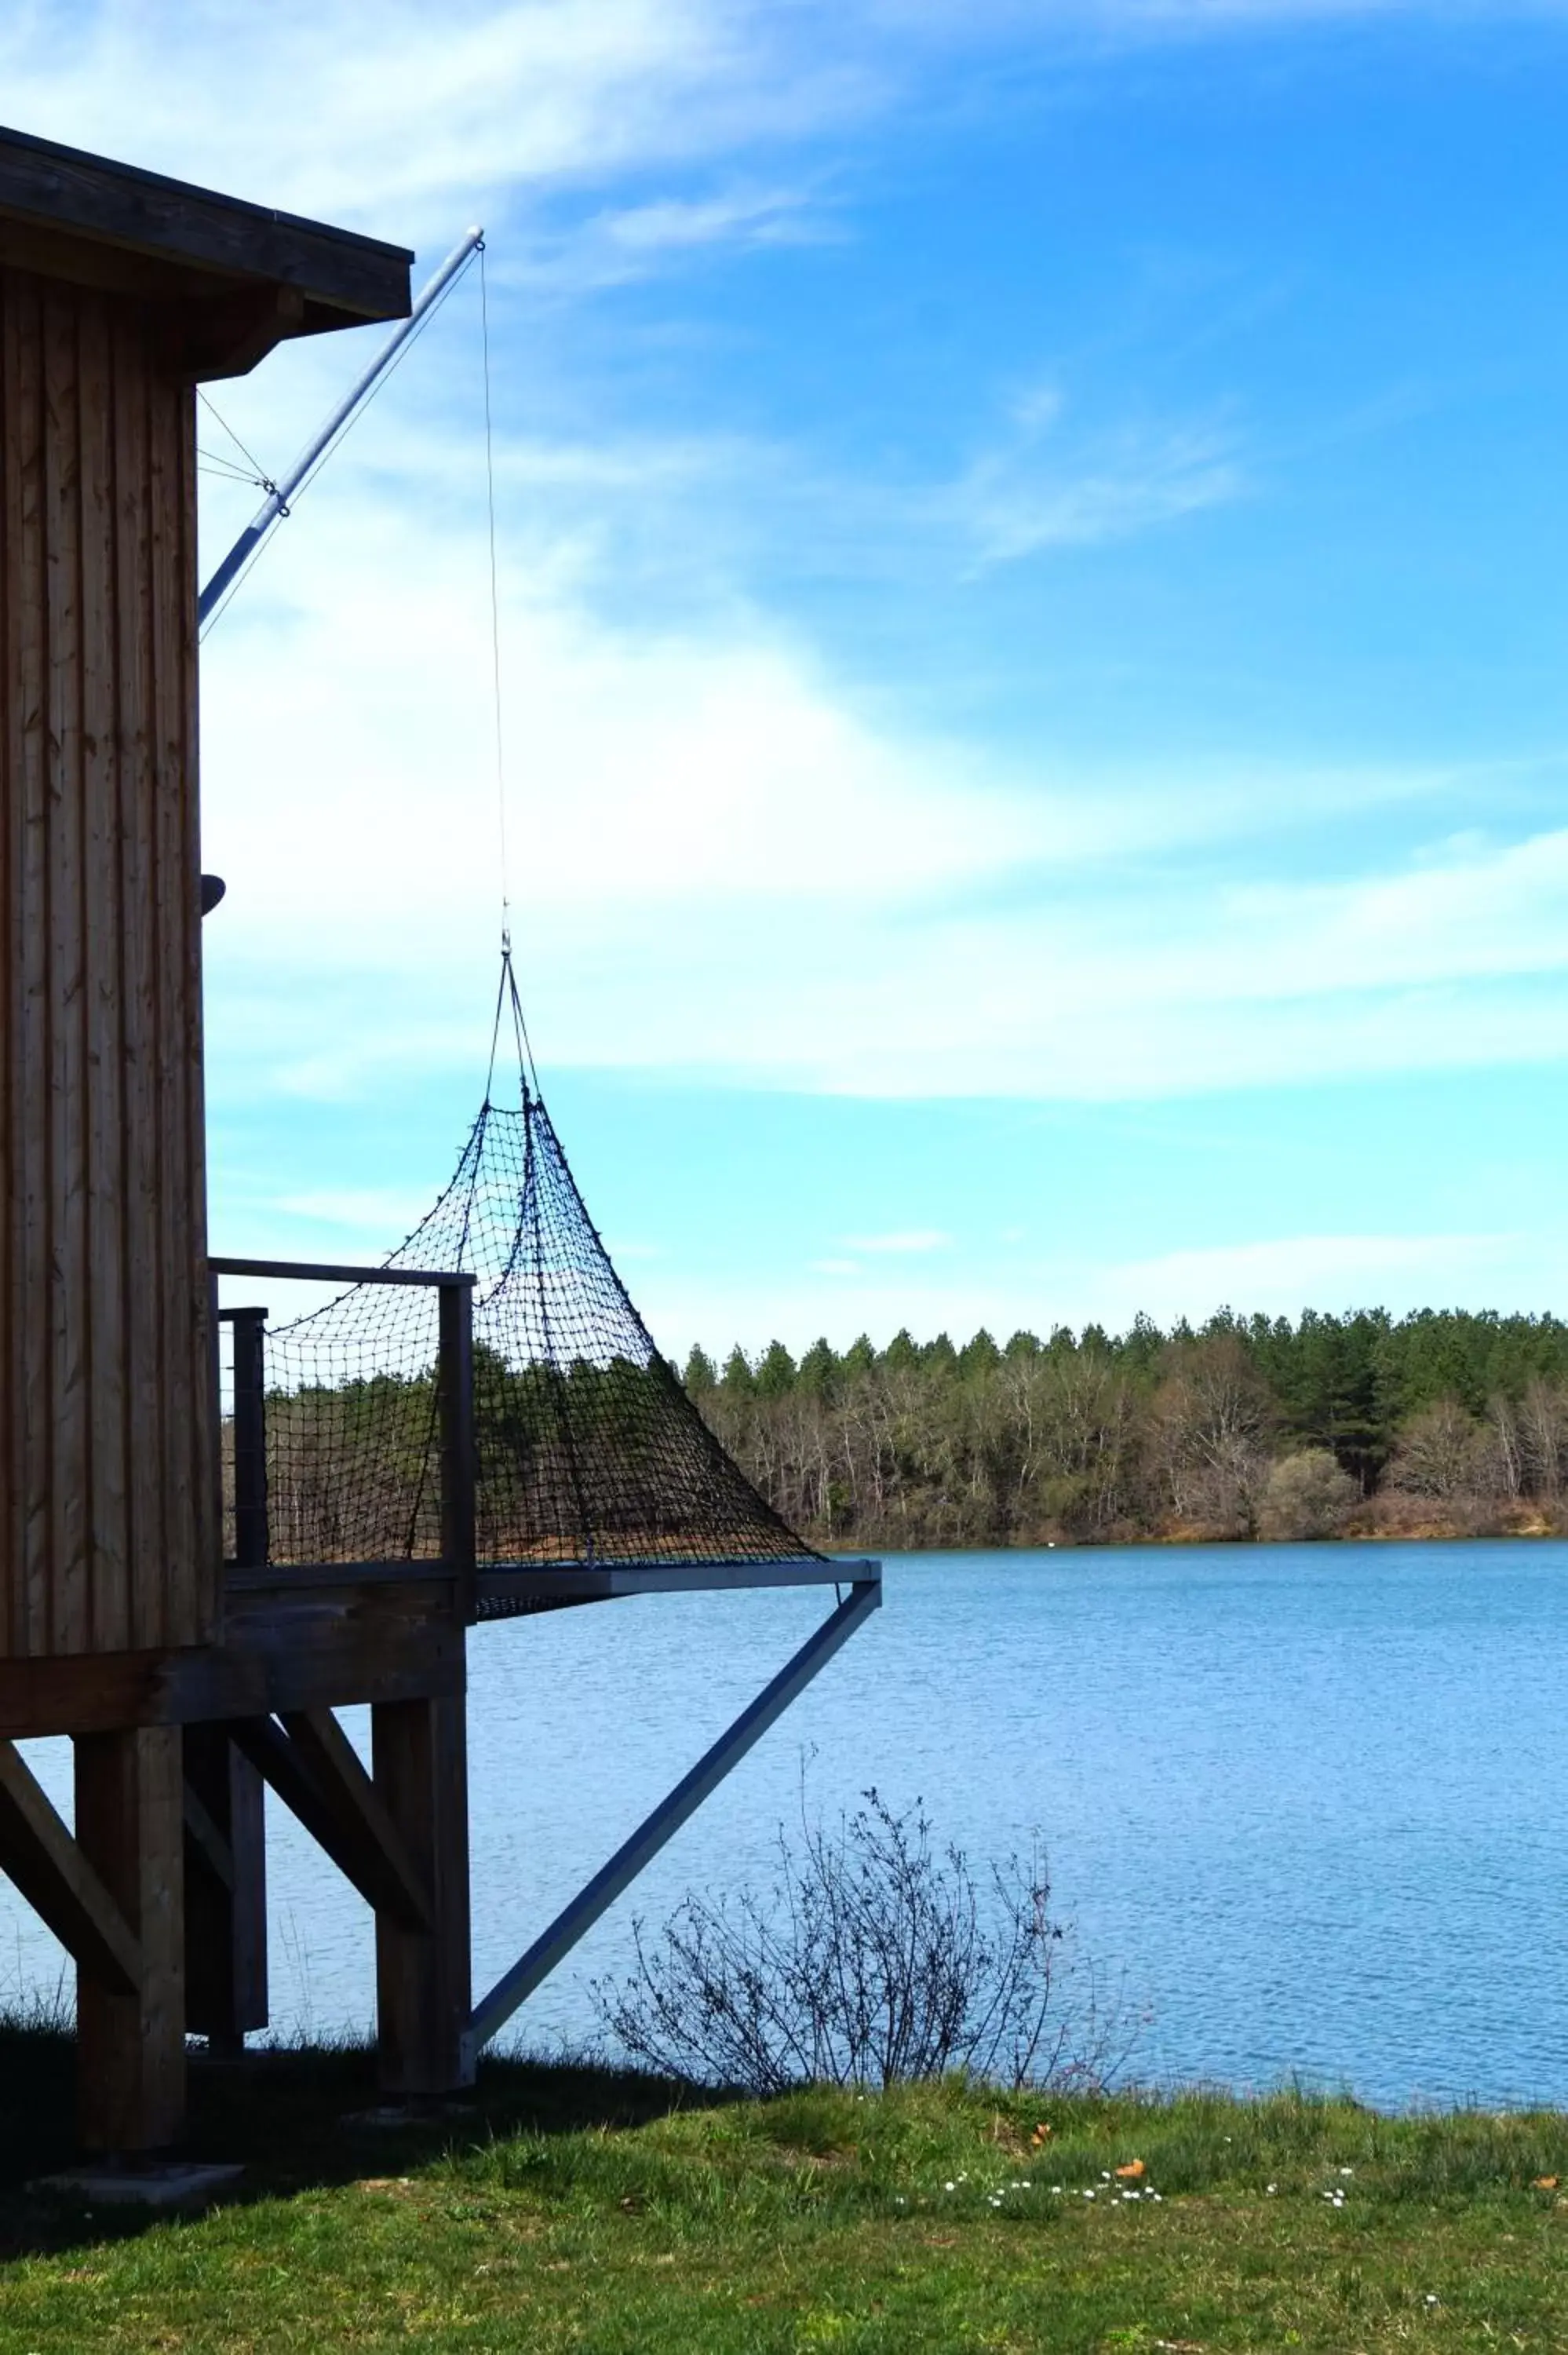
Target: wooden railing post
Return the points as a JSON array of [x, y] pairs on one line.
[[250, 1533], [455, 1390]]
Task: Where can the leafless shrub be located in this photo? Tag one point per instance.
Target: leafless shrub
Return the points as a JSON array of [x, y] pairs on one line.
[[1442, 1454], [875, 1957]]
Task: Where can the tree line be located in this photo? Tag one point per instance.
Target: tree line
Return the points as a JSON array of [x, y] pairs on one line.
[[1443, 1422]]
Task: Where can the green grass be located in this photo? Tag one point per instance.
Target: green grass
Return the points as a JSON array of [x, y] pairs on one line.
[[571, 2209]]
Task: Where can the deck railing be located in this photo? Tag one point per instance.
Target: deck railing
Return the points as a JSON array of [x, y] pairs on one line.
[[251, 1557]]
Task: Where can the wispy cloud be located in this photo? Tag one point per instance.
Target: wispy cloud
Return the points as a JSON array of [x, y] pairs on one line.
[[1040, 487], [387, 113]]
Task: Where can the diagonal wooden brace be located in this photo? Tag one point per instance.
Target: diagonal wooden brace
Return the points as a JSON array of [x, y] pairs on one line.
[[40, 1855], [315, 1770]]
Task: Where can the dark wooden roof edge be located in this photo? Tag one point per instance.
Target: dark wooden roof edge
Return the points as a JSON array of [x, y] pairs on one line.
[[218, 244]]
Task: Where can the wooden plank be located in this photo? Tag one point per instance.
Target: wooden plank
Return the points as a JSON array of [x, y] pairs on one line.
[[102, 1309], [187, 1601], [38, 1853], [29, 952], [160, 1583], [423, 1978], [226, 1892], [140, 1173], [131, 2049], [200, 1610], [13, 1593], [67, 1081], [314, 1272]]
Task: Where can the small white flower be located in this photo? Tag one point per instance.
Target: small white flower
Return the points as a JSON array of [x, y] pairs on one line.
[[1273, 2188], [949, 2186], [1432, 2298], [1347, 2171], [1057, 2189]]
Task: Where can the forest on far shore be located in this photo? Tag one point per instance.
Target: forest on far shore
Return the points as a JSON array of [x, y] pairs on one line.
[[1443, 1423]]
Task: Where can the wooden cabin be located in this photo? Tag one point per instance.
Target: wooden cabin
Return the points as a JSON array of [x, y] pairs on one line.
[[190, 1675], [119, 292]]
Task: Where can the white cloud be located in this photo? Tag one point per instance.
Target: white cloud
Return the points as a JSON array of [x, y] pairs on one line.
[[387, 114], [1277, 1276], [721, 861], [359, 109], [720, 864]]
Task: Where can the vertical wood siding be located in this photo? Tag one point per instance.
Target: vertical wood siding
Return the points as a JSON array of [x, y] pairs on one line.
[[106, 1534]]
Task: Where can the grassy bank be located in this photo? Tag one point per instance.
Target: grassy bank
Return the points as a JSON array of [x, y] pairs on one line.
[[570, 2209]]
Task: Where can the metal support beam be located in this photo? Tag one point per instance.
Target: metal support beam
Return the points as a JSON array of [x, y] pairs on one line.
[[541, 1958]]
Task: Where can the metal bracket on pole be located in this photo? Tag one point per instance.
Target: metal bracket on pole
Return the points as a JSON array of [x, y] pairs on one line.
[[276, 504], [534, 1966]]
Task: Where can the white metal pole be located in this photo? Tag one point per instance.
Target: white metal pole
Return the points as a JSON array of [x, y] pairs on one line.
[[276, 504]]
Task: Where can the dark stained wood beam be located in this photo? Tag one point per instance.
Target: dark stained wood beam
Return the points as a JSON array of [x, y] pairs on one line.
[[229, 338], [130, 2047], [206, 1844], [337, 1643], [423, 1975], [304, 1764], [40, 1855], [343, 279], [226, 1890]]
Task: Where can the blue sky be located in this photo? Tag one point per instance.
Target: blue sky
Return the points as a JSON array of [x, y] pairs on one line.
[[1033, 631]]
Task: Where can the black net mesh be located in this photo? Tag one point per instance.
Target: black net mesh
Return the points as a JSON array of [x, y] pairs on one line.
[[587, 1449]]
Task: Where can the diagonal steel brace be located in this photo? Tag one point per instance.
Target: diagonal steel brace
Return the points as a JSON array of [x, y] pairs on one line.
[[612, 1880]]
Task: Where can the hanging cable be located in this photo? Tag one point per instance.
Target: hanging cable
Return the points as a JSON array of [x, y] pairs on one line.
[[258, 474], [494, 621]]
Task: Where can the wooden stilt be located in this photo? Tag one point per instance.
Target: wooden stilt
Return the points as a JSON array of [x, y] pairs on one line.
[[132, 2046], [226, 1890], [419, 1750]]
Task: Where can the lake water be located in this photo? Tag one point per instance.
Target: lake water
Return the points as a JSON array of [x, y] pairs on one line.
[[1309, 1801]]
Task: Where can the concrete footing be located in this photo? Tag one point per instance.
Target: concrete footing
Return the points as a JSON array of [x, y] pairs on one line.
[[178, 2184]]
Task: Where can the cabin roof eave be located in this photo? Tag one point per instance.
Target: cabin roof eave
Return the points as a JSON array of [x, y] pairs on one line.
[[236, 277]]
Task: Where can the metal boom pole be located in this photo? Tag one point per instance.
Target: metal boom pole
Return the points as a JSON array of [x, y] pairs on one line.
[[276, 504]]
